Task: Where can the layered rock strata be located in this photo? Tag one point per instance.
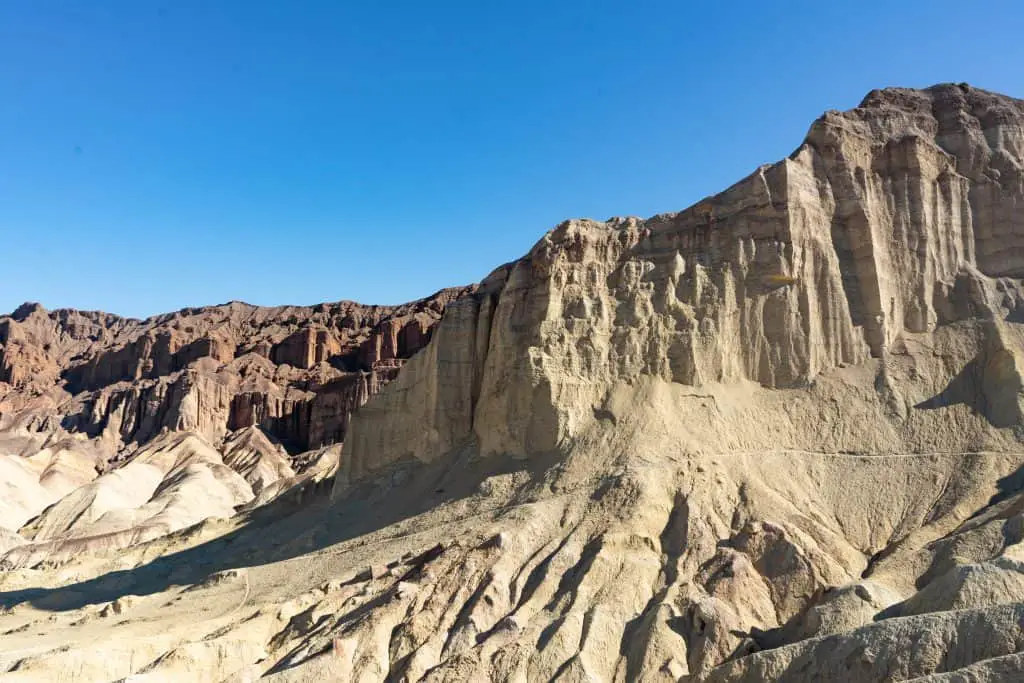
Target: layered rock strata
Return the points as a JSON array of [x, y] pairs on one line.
[[296, 372]]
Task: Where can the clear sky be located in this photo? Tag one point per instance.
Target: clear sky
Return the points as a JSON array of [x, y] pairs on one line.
[[168, 153]]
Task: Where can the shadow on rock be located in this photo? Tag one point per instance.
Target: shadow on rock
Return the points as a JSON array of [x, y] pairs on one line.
[[289, 527], [990, 385]]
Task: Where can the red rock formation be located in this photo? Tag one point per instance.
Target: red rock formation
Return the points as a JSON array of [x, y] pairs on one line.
[[395, 339], [297, 372], [306, 348]]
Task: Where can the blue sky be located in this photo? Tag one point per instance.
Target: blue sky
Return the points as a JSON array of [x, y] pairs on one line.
[[155, 155]]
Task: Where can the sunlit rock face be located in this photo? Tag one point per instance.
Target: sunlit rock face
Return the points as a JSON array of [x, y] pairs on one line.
[[888, 226]]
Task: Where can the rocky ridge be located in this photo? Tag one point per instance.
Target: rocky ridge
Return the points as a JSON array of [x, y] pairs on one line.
[[296, 372], [775, 436]]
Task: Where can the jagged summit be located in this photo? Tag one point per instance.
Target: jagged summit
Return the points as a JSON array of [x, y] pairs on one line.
[[914, 98], [26, 309], [772, 437]]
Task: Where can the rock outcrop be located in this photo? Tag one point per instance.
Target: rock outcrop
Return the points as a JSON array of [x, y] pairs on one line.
[[891, 223], [249, 399]]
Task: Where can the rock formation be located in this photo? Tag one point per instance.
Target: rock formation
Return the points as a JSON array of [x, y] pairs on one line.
[[775, 436], [296, 372], [885, 225]]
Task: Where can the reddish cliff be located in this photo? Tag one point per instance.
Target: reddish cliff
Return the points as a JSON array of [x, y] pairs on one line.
[[295, 371]]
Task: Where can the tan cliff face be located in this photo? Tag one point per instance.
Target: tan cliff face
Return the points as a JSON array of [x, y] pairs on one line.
[[890, 221], [773, 437]]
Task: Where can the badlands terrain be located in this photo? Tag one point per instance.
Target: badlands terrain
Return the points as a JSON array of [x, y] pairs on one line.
[[773, 437]]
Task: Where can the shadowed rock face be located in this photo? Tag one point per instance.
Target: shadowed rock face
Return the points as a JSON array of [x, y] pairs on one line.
[[773, 437], [297, 372]]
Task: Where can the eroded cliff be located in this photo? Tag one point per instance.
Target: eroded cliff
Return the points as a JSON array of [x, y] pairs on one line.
[[297, 372], [88, 400], [890, 224]]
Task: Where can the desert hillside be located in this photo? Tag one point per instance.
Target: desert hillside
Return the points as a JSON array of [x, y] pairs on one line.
[[773, 437]]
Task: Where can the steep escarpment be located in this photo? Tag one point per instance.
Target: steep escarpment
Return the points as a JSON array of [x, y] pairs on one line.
[[864, 243], [775, 436]]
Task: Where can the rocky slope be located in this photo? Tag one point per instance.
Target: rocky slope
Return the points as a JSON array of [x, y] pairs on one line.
[[775, 436]]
